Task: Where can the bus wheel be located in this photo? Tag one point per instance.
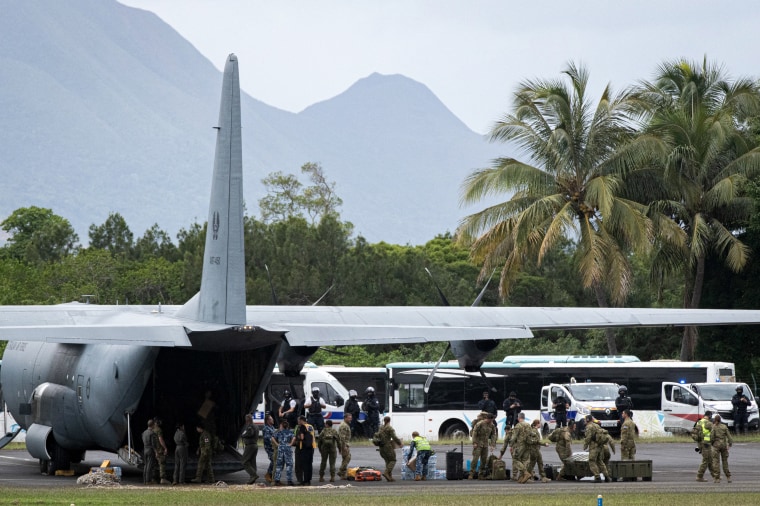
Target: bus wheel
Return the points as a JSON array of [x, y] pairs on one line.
[[456, 430]]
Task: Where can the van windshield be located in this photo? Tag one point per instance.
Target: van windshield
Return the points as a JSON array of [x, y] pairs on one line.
[[721, 391], [586, 392]]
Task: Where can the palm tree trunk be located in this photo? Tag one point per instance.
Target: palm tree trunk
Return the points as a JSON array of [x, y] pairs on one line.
[[692, 301], [601, 300]]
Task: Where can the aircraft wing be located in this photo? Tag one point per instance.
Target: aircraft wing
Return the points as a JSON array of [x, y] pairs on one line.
[[92, 324], [349, 325]]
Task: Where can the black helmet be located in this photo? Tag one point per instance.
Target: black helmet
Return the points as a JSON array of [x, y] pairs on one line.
[[623, 390], [286, 394], [739, 389]]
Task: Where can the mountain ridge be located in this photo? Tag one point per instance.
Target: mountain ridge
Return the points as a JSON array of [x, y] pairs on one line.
[[113, 112]]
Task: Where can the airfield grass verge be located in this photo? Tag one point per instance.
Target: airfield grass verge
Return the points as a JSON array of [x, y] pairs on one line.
[[380, 496]]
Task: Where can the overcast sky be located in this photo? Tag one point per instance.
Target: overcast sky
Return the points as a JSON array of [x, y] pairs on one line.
[[470, 53]]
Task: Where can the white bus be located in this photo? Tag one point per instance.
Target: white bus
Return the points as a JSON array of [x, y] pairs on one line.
[[448, 408]]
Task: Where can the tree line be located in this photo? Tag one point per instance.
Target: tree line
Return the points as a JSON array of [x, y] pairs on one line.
[[643, 199]]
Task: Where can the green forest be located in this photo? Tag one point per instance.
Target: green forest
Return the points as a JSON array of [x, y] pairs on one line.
[[642, 198]]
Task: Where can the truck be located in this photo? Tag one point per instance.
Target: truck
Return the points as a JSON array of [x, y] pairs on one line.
[[596, 399], [685, 403]]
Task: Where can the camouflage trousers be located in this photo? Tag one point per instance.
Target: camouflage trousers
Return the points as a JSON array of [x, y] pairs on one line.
[[536, 459], [720, 454], [707, 461], [284, 459], [328, 453], [479, 452], [596, 461], [388, 453], [627, 451], [345, 454]]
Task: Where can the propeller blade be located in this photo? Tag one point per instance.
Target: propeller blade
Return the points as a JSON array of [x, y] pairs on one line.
[[440, 292], [335, 352], [324, 295], [483, 291], [432, 373]]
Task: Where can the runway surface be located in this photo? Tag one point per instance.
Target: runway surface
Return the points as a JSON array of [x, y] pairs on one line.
[[674, 469]]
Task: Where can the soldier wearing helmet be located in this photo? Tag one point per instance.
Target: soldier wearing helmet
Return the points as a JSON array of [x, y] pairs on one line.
[[314, 405], [372, 407], [741, 403], [623, 402], [288, 411]]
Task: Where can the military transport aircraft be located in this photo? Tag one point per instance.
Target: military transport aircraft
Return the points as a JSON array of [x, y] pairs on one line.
[[81, 376]]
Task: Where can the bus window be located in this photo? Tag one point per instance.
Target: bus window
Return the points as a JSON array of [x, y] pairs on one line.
[[409, 396]]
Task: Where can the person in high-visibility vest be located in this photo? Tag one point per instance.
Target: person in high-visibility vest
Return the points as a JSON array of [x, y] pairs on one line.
[[422, 446]]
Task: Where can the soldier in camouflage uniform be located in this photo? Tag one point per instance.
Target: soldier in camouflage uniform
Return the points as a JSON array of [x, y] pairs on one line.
[[627, 436], [595, 446], [507, 435], [704, 426], [388, 443], [563, 436], [721, 442], [159, 446], [344, 431], [607, 444], [519, 449], [205, 451], [534, 448], [482, 438], [328, 441]]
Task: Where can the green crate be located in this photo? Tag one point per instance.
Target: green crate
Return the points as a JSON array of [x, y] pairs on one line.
[[631, 470]]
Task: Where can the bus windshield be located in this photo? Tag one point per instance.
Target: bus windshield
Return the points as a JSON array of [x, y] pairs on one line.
[[592, 392]]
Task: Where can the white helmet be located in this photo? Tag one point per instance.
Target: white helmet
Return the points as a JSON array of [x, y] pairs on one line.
[[369, 390]]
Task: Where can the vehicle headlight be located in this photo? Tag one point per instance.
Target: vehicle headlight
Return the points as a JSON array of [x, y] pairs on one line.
[[583, 410]]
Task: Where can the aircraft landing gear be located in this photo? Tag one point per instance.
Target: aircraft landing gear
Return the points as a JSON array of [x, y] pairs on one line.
[[61, 461]]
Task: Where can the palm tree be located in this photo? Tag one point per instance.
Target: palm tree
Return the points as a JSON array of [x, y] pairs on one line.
[[697, 118], [569, 187]]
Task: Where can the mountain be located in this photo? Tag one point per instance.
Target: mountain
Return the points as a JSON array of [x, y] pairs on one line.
[[107, 108]]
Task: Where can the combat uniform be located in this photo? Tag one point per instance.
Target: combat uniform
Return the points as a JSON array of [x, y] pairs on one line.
[[205, 450], [283, 438], [627, 440], [250, 437], [520, 451], [158, 447], [388, 443], [595, 445], [564, 447], [534, 449], [344, 431], [180, 457], [149, 456], [327, 442], [721, 441], [482, 435], [705, 447]]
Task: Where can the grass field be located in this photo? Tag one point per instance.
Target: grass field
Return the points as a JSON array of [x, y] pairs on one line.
[[379, 496]]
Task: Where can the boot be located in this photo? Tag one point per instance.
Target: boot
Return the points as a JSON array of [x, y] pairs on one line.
[[545, 480], [332, 478], [321, 478], [268, 478], [699, 478], [728, 479], [417, 478], [424, 477], [717, 480]]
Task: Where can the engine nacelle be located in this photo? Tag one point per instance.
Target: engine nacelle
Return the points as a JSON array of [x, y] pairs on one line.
[[472, 354], [57, 406], [291, 359]]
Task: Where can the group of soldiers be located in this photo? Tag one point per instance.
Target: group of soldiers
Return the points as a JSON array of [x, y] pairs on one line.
[[155, 452], [524, 440]]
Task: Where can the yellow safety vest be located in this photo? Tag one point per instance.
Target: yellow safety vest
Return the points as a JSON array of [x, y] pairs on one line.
[[705, 432]]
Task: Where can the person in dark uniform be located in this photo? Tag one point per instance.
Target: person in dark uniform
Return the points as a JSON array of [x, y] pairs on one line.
[[314, 405], [352, 406], [741, 418], [149, 454], [180, 455], [288, 410], [622, 402], [560, 406], [305, 445], [250, 437], [487, 404], [372, 407], [512, 405]]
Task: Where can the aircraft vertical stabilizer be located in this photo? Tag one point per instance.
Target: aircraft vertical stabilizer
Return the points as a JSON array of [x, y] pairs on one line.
[[222, 295]]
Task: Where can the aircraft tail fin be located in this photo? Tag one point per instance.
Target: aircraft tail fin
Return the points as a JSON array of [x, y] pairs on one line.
[[222, 295]]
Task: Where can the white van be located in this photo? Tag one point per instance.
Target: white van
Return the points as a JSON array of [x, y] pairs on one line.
[[596, 399], [330, 389], [684, 404]]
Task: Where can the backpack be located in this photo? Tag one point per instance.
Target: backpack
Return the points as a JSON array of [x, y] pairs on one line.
[[554, 436], [696, 433], [376, 440], [498, 470]]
